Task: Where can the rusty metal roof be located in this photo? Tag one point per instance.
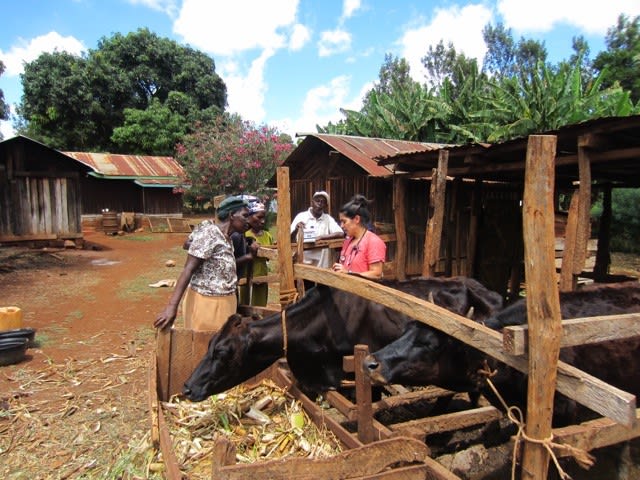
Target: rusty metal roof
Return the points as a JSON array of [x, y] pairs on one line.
[[365, 152], [129, 166], [613, 145]]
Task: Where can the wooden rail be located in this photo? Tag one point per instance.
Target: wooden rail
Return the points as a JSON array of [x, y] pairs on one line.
[[586, 389]]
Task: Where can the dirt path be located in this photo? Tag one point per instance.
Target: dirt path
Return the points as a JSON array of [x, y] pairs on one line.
[[77, 407]]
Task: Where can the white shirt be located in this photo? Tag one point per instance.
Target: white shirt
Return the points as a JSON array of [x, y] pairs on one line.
[[313, 228]]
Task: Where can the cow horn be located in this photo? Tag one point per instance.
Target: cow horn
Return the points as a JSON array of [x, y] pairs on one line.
[[470, 313], [430, 297]]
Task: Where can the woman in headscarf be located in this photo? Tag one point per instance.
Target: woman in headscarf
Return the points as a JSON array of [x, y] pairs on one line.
[[257, 235], [209, 274]]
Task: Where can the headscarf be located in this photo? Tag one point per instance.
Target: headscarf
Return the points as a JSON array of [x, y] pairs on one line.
[[256, 206], [230, 205]]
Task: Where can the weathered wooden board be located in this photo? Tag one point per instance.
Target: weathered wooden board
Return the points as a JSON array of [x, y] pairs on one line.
[[578, 331], [376, 460], [447, 422], [178, 352]]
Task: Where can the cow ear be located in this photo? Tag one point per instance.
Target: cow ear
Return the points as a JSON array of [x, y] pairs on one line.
[[232, 323]]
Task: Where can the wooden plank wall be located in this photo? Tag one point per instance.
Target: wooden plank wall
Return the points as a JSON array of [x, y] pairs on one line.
[[47, 206]]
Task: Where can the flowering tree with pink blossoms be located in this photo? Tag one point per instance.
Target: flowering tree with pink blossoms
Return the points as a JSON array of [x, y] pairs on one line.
[[230, 156]]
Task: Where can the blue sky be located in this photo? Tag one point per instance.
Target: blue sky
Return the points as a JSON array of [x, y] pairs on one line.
[[294, 63]]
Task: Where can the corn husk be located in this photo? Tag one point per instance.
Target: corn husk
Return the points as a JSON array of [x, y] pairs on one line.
[[263, 423]]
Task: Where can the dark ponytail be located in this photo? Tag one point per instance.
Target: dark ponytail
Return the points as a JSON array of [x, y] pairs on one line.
[[358, 205]]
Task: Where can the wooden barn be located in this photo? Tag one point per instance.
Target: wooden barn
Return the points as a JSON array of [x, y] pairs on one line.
[[345, 165], [477, 212], [46, 194]]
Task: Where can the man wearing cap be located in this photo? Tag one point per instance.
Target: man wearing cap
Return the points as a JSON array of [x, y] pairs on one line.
[[317, 225], [209, 274]]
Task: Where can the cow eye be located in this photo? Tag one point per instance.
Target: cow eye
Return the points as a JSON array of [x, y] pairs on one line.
[[220, 352]]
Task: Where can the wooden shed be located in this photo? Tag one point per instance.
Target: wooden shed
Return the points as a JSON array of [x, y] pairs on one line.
[[345, 165], [481, 200], [40, 192], [130, 183], [46, 194], [593, 156]]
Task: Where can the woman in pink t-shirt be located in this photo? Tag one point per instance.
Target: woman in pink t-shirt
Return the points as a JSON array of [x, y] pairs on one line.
[[363, 252]]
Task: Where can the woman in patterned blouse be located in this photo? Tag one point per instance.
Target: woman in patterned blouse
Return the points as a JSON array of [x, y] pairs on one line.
[[209, 274]]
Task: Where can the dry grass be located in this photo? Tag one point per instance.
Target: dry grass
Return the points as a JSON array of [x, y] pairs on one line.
[[263, 422], [62, 420]]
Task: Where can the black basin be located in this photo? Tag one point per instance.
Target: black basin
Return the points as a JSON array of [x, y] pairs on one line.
[[28, 333], [12, 350]]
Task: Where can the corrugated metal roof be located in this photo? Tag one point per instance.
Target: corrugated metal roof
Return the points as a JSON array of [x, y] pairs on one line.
[[115, 165], [366, 152], [613, 145]]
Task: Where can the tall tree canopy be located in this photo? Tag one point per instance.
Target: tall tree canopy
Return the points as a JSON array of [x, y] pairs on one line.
[[516, 93], [230, 156], [4, 107], [106, 99], [620, 62]]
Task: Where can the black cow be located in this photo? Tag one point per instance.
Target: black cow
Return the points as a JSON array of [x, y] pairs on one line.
[[322, 328], [426, 356]]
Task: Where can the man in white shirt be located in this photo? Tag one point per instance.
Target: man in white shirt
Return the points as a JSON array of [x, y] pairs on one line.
[[317, 225]]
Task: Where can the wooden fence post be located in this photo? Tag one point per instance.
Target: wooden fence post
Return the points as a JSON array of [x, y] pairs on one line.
[[433, 236], [285, 263], [400, 226], [543, 304]]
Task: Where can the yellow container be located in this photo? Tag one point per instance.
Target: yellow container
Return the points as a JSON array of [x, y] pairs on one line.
[[10, 318]]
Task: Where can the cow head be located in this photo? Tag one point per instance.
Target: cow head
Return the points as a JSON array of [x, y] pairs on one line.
[[413, 356], [228, 362]]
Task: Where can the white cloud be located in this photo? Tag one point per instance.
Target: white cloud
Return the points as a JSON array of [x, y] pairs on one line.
[[245, 93], [542, 15], [169, 7], [27, 51], [349, 7], [300, 35], [246, 34], [460, 26], [322, 105], [333, 41], [228, 28], [6, 129]]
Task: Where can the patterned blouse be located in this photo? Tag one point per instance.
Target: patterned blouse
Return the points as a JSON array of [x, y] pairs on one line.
[[216, 276]]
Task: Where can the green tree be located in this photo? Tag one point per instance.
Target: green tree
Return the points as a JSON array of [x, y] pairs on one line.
[[506, 58], [444, 64], [625, 221], [156, 129], [57, 103], [546, 99], [4, 107], [620, 62], [408, 112], [77, 102], [230, 156]]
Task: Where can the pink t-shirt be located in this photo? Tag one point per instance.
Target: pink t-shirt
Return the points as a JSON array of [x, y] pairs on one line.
[[356, 256]]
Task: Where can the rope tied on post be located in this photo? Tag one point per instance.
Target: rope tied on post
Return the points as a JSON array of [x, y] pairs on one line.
[[582, 457]]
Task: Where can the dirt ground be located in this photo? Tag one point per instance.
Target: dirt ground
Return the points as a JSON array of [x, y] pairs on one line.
[[77, 406]]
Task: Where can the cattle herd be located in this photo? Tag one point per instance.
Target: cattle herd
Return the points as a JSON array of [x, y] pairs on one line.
[[315, 333]]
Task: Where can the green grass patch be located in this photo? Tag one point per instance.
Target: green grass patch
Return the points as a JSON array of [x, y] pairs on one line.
[[137, 237], [74, 315], [138, 287]]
